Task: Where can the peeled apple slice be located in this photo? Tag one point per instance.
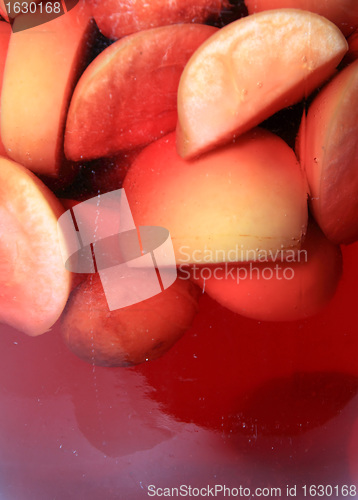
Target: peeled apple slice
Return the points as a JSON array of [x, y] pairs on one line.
[[251, 69], [343, 13], [42, 67], [249, 196], [328, 151], [281, 290], [34, 284], [127, 97]]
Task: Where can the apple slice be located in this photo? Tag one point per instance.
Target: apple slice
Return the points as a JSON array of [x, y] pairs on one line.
[[280, 290], [343, 13], [328, 150], [233, 82], [127, 95], [118, 18], [42, 67], [240, 201], [34, 283], [131, 335], [5, 32]]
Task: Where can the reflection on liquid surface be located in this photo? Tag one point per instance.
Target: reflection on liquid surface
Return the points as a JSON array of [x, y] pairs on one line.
[[235, 402]]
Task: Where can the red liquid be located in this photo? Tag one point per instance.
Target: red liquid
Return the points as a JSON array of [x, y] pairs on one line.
[[235, 402]]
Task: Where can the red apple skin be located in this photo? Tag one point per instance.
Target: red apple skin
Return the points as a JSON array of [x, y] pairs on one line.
[[5, 32], [296, 290], [141, 75], [327, 146], [118, 18], [133, 334], [344, 13]]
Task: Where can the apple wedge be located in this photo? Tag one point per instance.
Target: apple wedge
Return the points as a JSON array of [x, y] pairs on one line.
[[42, 67], [328, 150], [281, 290], [118, 18], [233, 82], [127, 95], [243, 200], [343, 13], [34, 284], [131, 335]]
